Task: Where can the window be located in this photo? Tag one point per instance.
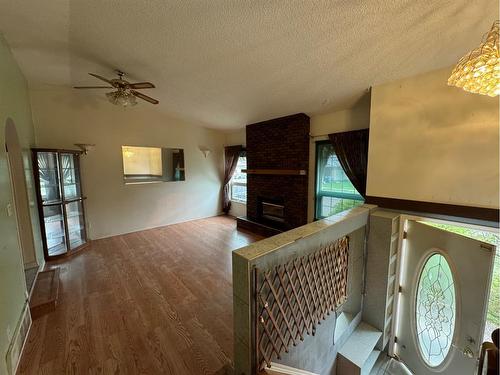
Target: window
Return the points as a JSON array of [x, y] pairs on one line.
[[239, 181], [334, 191], [435, 310], [152, 164]]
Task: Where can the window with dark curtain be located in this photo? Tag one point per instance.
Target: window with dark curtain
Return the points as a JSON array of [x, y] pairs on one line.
[[334, 190], [239, 180]]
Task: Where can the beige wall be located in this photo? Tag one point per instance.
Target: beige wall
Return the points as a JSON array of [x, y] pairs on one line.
[[431, 142], [236, 137], [14, 104], [65, 116]]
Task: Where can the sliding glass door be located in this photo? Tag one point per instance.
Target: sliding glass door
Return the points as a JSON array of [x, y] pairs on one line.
[[60, 201]]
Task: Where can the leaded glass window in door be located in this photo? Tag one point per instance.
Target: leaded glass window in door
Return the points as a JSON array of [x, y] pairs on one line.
[[435, 310]]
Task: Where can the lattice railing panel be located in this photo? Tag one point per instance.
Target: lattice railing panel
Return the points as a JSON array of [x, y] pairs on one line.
[[293, 298]]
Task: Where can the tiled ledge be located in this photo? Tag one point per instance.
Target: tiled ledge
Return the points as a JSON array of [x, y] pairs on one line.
[[346, 221]]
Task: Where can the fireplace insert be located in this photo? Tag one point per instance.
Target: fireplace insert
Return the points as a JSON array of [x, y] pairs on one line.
[[271, 211]]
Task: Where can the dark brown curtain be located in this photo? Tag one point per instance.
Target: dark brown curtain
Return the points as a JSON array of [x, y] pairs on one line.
[[231, 155], [351, 149]]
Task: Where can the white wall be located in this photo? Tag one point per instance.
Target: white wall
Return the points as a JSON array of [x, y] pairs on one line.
[[14, 104], [65, 116], [435, 143]]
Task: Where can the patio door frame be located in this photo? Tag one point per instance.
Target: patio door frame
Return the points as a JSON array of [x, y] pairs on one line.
[[63, 201]]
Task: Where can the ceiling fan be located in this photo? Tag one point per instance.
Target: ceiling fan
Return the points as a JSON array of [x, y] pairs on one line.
[[125, 93]]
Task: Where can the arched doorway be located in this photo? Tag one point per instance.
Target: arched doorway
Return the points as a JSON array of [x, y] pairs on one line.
[[21, 202]]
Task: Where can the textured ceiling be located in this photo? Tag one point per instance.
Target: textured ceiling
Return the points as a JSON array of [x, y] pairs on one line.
[[228, 63]]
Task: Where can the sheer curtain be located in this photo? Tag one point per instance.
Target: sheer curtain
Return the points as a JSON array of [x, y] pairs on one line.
[[351, 149], [231, 155]]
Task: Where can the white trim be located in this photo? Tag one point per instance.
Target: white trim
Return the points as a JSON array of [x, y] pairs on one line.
[[239, 201], [278, 369], [399, 275], [8, 358]]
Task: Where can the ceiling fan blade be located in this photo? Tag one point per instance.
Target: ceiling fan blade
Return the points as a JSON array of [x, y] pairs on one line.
[[102, 78], [93, 87], [141, 85], [144, 97]]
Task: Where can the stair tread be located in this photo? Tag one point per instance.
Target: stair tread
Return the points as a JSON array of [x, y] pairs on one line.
[[45, 292], [279, 369], [360, 345], [370, 362]]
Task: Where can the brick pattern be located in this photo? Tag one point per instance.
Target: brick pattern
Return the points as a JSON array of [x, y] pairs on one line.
[[281, 143]]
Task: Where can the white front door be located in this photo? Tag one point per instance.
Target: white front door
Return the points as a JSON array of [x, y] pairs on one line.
[[445, 284]]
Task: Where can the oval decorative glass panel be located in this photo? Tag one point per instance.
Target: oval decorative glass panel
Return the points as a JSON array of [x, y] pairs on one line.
[[435, 310]]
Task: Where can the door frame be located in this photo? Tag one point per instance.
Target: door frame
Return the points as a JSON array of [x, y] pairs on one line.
[[36, 173], [9, 124], [402, 249], [20, 196]]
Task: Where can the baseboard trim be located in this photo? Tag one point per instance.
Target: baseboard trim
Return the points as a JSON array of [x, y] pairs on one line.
[[100, 237], [18, 342]]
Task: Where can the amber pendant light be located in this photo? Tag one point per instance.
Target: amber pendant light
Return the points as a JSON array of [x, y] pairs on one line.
[[479, 71]]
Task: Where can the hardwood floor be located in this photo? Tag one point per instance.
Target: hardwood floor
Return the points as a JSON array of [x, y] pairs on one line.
[[152, 302]]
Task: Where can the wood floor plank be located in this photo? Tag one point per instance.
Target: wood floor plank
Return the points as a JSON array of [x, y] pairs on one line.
[[152, 302]]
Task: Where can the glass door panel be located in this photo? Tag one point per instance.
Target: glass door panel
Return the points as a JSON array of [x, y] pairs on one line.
[[60, 200], [76, 224], [55, 234], [48, 171], [70, 176]]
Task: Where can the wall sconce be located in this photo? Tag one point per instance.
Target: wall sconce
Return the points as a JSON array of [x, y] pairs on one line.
[[85, 147], [205, 151]]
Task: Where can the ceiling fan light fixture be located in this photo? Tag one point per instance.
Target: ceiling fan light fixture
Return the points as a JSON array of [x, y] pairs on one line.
[[125, 94], [479, 71], [122, 97]]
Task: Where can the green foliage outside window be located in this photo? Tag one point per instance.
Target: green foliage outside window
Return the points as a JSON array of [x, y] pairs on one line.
[[334, 190]]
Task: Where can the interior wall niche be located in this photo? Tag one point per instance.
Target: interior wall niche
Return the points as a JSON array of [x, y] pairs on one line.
[[152, 164]]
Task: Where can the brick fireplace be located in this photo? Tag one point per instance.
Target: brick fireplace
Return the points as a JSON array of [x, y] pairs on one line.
[[278, 161]]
